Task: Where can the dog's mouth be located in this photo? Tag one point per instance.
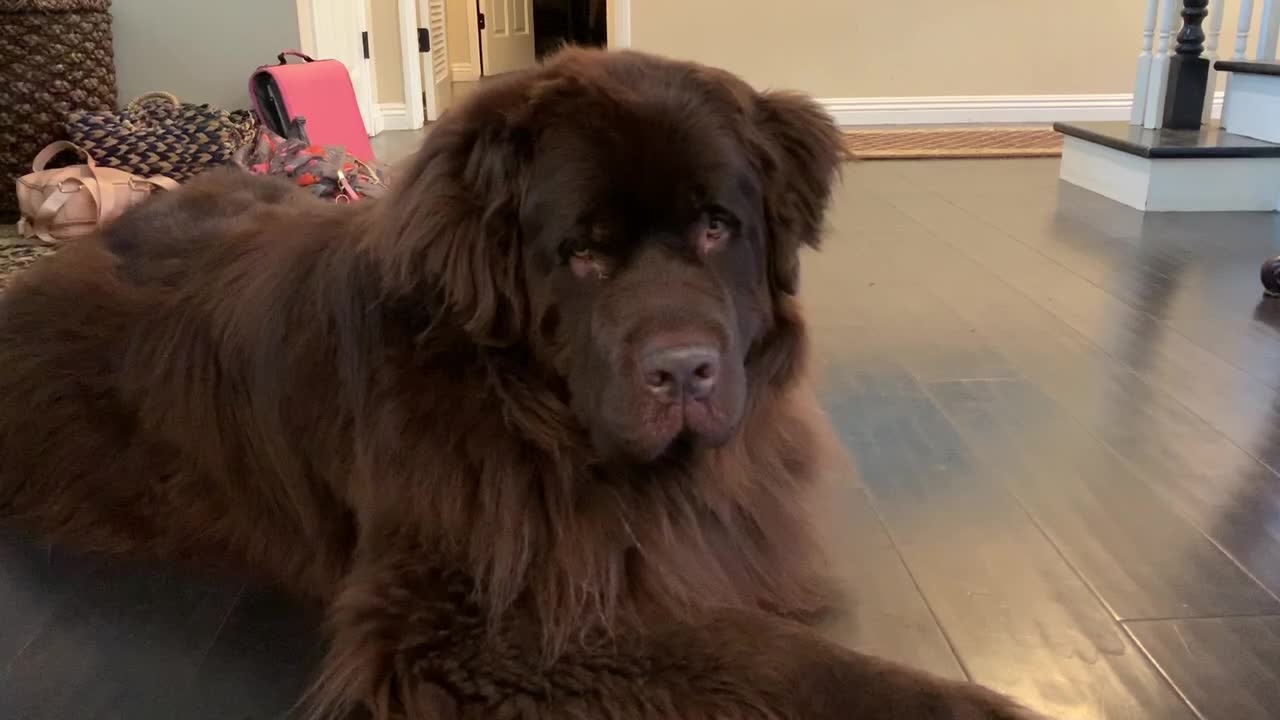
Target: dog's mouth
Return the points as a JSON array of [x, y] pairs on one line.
[[654, 432]]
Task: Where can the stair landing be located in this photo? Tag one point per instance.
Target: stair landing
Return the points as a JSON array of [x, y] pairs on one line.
[[1172, 170]]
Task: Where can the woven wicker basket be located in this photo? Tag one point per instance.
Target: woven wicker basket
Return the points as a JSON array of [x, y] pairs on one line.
[[55, 57], [156, 134]]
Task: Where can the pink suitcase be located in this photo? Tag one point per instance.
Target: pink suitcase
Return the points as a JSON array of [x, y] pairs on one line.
[[318, 91]]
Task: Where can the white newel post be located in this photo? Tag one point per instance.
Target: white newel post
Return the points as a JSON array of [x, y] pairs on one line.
[[1270, 32], [1211, 52], [1158, 80], [1143, 81]]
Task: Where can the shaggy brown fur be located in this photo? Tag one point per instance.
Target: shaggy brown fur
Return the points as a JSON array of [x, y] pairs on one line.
[[437, 413]]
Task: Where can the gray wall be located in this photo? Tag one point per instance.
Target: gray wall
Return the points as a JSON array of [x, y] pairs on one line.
[[200, 50]]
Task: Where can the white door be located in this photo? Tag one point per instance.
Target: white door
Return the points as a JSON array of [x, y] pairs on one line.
[[437, 78], [338, 30], [506, 40]]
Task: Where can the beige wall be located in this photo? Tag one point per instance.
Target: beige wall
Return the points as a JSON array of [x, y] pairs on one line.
[[200, 51], [874, 48], [384, 46]]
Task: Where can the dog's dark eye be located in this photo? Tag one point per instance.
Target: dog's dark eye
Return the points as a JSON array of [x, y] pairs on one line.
[[717, 227], [583, 258], [578, 248]]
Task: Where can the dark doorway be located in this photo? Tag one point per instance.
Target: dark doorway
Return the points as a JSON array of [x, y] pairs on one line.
[[568, 22]]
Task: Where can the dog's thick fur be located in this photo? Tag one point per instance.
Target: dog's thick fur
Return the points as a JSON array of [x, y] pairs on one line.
[[381, 407]]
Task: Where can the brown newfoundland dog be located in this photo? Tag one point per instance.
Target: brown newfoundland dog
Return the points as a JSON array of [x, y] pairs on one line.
[[535, 427]]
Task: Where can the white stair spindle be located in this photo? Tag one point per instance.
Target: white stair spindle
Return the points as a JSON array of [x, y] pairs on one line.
[[1211, 52], [1270, 31], [1141, 85], [1242, 29], [1158, 81]]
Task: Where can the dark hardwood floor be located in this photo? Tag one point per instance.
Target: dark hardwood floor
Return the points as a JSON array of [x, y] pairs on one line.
[[1065, 423]]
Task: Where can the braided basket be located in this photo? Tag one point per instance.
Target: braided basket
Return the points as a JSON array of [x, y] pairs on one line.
[[158, 135], [55, 57]]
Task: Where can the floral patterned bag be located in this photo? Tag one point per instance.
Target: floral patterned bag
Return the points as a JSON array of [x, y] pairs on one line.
[[327, 171]]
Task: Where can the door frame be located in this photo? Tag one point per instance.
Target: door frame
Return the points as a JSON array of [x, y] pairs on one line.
[[307, 32], [410, 63], [619, 23], [407, 19], [470, 71], [425, 81], [618, 13]]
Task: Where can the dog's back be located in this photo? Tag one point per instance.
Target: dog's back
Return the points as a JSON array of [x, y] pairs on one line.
[[155, 241], [92, 348]]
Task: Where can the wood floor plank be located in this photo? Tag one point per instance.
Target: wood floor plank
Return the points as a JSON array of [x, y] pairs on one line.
[[34, 581], [261, 663], [1211, 480], [125, 644], [1196, 280], [1141, 556], [1019, 617], [883, 613], [1194, 273], [1227, 668], [1229, 399]]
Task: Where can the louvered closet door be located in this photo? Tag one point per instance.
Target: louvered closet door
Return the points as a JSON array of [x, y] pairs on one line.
[[437, 78]]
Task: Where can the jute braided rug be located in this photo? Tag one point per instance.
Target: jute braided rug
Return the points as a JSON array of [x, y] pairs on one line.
[[952, 142]]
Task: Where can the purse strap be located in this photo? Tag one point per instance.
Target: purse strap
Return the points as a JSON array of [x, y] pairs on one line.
[[283, 57], [41, 223], [135, 105], [105, 199], [161, 182], [52, 150]]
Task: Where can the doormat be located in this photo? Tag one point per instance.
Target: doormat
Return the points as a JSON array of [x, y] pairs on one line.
[[964, 142]]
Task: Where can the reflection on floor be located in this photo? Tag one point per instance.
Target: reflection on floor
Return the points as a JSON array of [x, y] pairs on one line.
[[1066, 424], [394, 146]]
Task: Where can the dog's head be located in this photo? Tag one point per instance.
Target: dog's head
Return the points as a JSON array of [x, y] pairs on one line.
[[634, 224]]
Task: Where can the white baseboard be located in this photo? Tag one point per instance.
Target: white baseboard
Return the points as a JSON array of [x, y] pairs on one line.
[[391, 116], [464, 72], [1173, 184], [970, 109]]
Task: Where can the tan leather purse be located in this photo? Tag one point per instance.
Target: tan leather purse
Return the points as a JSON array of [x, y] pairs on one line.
[[68, 202]]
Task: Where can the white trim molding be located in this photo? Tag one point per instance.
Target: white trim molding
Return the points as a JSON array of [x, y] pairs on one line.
[[967, 109], [618, 34], [464, 72], [391, 116], [473, 38], [411, 62]]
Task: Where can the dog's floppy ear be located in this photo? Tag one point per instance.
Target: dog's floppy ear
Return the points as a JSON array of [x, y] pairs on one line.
[[803, 151], [448, 235]]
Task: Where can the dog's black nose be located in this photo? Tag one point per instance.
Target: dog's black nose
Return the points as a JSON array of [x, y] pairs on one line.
[[686, 372]]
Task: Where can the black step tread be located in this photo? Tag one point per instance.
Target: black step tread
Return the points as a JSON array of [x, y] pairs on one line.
[[1210, 141]]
